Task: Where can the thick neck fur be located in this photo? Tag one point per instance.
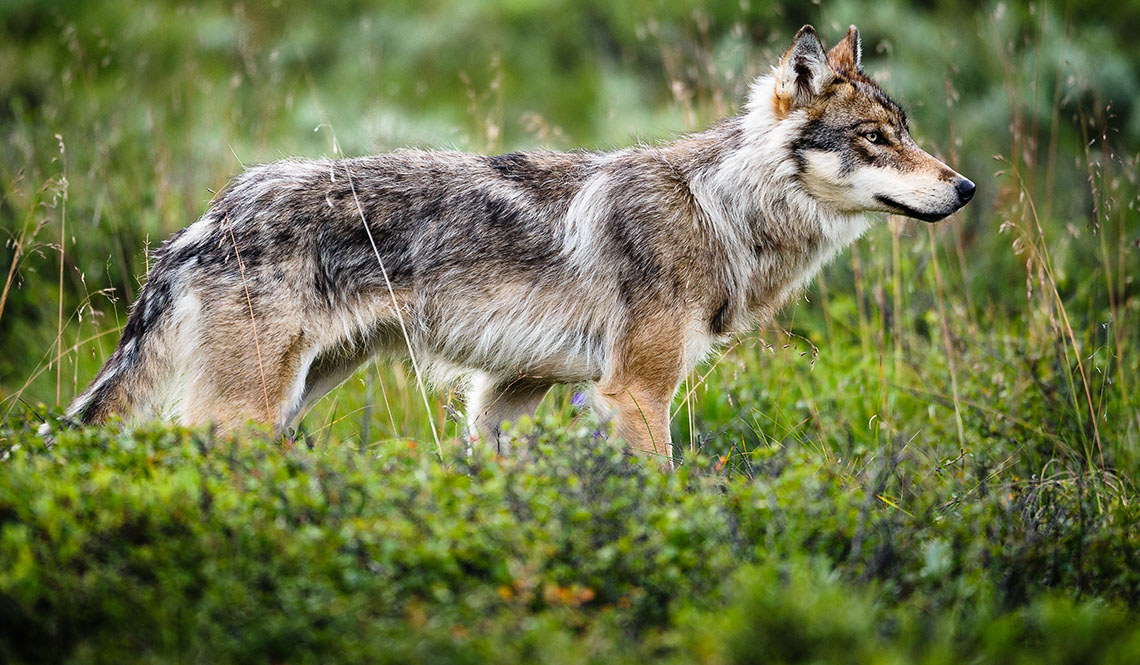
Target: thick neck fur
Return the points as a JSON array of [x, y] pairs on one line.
[[745, 182]]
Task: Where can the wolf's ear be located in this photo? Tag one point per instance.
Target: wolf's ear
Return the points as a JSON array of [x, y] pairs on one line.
[[847, 54], [803, 72]]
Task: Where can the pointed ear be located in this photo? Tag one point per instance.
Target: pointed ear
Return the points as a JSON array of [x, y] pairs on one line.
[[847, 54], [803, 72]]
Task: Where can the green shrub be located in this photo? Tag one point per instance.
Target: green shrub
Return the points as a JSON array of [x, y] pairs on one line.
[[159, 544]]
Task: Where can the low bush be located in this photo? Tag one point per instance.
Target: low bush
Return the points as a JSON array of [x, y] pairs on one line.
[[160, 544]]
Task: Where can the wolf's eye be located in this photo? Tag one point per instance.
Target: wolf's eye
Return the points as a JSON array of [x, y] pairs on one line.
[[875, 137]]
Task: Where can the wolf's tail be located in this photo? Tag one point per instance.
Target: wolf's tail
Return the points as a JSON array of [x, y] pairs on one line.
[[132, 371], [109, 393]]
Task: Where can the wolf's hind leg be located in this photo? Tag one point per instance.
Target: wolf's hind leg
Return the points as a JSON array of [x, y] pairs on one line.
[[326, 370], [238, 377], [492, 402]]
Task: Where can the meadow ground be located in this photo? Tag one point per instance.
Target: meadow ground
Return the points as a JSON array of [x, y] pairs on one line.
[[931, 457]]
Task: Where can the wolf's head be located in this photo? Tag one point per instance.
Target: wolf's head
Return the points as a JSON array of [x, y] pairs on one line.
[[853, 150]]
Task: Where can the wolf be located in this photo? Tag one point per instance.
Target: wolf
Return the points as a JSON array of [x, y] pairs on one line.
[[621, 270]]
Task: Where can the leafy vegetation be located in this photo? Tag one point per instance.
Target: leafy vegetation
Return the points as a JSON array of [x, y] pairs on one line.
[[931, 458], [161, 544]]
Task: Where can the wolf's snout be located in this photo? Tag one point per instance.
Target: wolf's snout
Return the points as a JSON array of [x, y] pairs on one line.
[[966, 189]]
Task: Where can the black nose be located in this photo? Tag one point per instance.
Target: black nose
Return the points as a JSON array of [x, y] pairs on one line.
[[966, 191]]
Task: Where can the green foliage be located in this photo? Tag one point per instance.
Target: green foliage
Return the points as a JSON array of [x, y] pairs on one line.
[[799, 611], [160, 544]]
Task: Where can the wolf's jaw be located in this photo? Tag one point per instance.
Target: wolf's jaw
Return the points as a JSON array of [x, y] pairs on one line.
[[909, 211]]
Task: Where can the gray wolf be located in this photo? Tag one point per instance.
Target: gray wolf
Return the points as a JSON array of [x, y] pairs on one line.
[[519, 271]]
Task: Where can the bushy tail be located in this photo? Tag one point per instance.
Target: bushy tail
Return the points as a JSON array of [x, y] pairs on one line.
[[130, 374], [109, 393]]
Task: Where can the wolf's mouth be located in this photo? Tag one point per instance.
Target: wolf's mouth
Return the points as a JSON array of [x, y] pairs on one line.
[[911, 212]]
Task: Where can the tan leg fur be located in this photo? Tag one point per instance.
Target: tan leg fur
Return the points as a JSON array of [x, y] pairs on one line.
[[643, 387]]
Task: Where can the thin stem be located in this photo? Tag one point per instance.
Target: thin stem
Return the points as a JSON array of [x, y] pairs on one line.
[[252, 321]]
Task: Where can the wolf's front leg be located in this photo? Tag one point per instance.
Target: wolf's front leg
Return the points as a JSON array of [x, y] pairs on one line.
[[641, 420], [642, 388]]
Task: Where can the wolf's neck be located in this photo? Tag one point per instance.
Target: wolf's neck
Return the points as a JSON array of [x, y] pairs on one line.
[[775, 234]]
